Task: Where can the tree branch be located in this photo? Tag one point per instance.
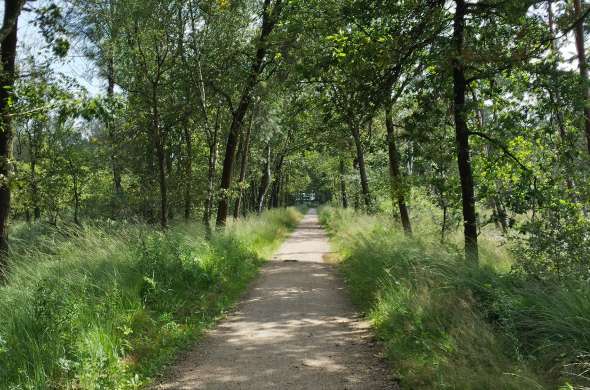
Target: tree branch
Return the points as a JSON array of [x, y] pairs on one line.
[[502, 147]]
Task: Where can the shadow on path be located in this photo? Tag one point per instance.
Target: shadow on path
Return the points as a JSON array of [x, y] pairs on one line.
[[296, 329]]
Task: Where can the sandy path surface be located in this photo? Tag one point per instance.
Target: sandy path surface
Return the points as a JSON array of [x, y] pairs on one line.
[[296, 329]]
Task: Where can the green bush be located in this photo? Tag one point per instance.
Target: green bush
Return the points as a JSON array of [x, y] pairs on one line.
[[448, 324], [556, 244], [107, 306]]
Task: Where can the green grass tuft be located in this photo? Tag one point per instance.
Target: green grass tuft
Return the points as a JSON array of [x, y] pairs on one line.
[[450, 325], [105, 307]]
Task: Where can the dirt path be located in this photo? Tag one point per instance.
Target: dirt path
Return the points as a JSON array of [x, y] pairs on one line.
[[296, 329]]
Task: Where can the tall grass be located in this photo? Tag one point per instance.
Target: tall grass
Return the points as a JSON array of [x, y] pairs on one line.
[[448, 324], [104, 307]]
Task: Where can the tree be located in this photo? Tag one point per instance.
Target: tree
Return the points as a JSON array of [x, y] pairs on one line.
[[8, 41], [582, 66], [271, 12]]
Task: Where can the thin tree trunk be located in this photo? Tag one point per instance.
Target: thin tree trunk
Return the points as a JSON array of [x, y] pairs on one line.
[[212, 165], [76, 200], [396, 179], [111, 128], [110, 74], [159, 144], [281, 197], [555, 78], [556, 84], [360, 156], [252, 196], [12, 9], [443, 229], [462, 135], [583, 67], [243, 167], [285, 199], [276, 186], [35, 189], [34, 186], [343, 195], [188, 173], [264, 182], [502, 216], [268, 23]]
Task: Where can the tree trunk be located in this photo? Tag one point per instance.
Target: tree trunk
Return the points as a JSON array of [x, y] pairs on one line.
[[110, 74], [111, 128], [76, 200], [555, 79], [252, 196], [161, 155], [443, 229], [228, 161], [276, 185], [243, 167], [583, 66], [462, 135], [343, 195], [188, 173], [268, 23], [555, 86], [12, 9], [285, 198], [501, 215], [34, 188], [396, 180], [264, 182], [281, 195], [212, 165], [360, 156]]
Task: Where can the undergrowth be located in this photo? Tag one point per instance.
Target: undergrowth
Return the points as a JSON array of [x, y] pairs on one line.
[[447, 324], [105, 307]]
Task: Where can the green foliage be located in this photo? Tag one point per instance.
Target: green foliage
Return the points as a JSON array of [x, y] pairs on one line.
[[449, 324], [106, 306], [556, 245]]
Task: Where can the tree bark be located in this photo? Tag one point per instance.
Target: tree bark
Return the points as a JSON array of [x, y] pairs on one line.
[[76, 194], [555, 86], [443, 228], [360, 156], [583, 67], [211, 170], [396, 180], [243, 167], [33, 138], [343, 195], [12, 9], [462, 135], [268, 22], [117, 188], [188, 173], [284, 190], [159, 144], [35, 190], [264, 182], [276, 185]]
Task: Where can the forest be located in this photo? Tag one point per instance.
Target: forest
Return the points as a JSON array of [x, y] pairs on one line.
[[154, 153]]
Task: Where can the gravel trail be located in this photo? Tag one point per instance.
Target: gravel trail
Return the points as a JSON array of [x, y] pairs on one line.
[[295, 329]]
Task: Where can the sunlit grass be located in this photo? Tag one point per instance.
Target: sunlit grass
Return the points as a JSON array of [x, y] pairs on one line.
[[448, 324], [106, 306]]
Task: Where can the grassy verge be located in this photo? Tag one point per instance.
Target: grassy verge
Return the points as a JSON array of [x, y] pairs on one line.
[[450, 325], [106, 307]]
